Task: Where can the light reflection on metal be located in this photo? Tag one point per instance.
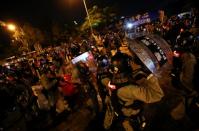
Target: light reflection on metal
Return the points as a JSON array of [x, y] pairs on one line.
[[142, 54]]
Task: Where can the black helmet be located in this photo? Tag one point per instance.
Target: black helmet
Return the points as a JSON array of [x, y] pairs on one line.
[[120, 63], [83, 69], [103, 61], [75, 50], [186, 41]]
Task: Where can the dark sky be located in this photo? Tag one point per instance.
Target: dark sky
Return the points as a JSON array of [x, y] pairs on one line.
[[41, 13]]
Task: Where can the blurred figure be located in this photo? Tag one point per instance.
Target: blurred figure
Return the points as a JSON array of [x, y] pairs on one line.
[[186, 43], [126, 95]]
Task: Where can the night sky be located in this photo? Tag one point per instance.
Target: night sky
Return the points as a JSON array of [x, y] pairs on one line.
[[42, 13]]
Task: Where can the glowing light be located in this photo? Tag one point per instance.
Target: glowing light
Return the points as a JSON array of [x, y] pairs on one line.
[[129, 25], [11, 27], [181, 30], [176, 54], [75, 22], [83, 57]]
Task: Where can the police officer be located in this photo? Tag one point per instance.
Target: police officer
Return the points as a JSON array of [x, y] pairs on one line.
[[125, 92], [186, 42]]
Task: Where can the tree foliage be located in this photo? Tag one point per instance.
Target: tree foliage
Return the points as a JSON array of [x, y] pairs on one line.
[[31, 36], [99, 16], [62, 32], [23, 39], [6, 48]]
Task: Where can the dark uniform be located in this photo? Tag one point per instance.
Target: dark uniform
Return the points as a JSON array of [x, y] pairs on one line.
[[126, 94]]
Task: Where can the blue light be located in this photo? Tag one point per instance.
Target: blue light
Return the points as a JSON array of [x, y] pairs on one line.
[[129, 25]]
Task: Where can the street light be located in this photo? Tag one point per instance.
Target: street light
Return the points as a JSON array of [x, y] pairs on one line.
[[18, 33], [129, 25], [11, 27]]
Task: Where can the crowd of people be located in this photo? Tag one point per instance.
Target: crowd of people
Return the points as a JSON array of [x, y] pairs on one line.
[[47, 87]]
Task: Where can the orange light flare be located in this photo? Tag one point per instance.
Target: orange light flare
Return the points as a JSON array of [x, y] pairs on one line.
[[69, 3], [176, 54], [11, 27]]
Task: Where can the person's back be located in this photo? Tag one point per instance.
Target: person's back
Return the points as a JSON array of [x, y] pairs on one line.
[[187, 72], [126, 92]]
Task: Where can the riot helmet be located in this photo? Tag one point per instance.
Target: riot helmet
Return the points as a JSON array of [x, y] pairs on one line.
[[185, 41], [75, 50], [103, 61], [120, 63]]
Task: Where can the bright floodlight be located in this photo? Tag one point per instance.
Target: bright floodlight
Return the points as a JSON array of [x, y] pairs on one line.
[[129, 25], [11, 27]]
